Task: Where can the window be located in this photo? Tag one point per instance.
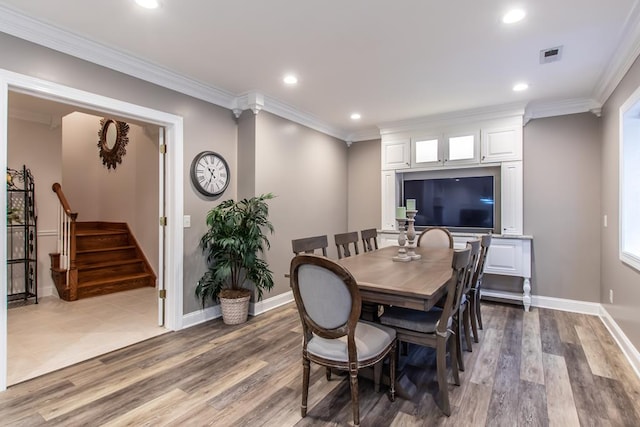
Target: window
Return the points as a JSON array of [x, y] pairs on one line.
[[629, 179]]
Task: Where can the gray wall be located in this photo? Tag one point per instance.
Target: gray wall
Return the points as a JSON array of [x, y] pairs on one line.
[[206, 127], [619, 277], [307, 171], [562, 205], [364, 182]]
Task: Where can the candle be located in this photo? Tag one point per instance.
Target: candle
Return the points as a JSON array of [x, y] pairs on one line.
[[411, 204], [401, 212]]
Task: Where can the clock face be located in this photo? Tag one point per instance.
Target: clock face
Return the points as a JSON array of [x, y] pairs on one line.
[[210, 173]]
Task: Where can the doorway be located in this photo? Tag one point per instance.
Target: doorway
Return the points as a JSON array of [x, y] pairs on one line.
[[171, 125]]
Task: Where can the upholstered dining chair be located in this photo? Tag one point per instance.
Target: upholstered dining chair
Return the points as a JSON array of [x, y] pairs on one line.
[[433, 328], [344, 241], [461, 319], [476, 284], [328, 301], [309, 245], [369, 239], [435, 237]]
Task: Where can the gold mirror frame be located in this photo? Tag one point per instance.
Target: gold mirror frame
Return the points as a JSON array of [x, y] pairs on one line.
[[112, 156]]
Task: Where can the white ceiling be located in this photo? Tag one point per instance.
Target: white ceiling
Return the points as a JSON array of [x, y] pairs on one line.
[[389, 60]]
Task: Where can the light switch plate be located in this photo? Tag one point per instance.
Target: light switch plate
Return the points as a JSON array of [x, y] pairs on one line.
[[186, 221]]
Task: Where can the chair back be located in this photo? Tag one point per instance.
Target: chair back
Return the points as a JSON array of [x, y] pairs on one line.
[[455, 287], [485, 243], [436, 237], [326, 296], [369, 239], [308, 245], [343, 240], [470, 271]]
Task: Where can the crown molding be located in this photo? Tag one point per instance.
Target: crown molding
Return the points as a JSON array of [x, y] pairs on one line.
[[364, 135], [624, 57], [455, 117], [541, 109]]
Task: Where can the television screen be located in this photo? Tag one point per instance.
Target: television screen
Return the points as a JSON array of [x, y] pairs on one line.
[[453, 202]]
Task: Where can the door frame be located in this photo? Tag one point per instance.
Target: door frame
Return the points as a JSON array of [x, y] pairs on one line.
[[174, 195]]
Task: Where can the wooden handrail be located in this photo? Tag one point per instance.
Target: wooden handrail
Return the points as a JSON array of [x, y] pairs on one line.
[[67, 239], [57, 188]]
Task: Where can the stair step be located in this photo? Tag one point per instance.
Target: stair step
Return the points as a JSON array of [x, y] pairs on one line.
[[96, 250], [115, 284], [99, 265], [100, 240], [94, 256], [103, 270], [99, 232]]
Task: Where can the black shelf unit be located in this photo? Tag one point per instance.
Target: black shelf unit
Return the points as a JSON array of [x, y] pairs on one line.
[[22, 237]]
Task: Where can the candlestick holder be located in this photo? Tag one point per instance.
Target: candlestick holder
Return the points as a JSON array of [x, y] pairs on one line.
[[411, 235], [402, 251]]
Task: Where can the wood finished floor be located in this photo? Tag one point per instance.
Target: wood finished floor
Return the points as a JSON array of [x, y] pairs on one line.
[[539, 368]]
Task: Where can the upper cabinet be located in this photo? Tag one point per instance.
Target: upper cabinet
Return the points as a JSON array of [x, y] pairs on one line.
[[454, 145], [501, 144], [396, 154]]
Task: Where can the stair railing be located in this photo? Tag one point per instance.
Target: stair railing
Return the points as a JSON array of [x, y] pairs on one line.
[[67, 241]]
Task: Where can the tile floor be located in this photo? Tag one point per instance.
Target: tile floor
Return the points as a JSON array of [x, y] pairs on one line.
[[53, 334]]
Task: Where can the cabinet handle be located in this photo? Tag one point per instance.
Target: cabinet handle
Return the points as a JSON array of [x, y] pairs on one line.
[[482, 157], [445, 160]]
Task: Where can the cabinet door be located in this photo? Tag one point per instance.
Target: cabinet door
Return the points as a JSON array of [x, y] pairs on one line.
[[505, 257], [427, 152], [388, 200], [512, 188], [501, 144], [461, 148], [396, 154]]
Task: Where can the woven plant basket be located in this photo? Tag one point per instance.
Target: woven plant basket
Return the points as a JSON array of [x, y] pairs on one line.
[[235, 310]]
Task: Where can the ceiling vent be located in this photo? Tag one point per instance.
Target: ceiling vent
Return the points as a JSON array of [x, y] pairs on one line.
[[550, 55]]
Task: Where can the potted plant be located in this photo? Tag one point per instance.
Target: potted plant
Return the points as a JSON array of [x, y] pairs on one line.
[[233, 243]]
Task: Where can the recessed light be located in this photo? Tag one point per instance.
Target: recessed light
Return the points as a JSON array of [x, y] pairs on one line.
[[290, 79], [519, 87], [148, 4], [514, 16], [355, 116]]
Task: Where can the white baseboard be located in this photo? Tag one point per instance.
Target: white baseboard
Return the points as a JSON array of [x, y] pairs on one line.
[[255, 309], [573, 306], [628, 349], [201, 316]]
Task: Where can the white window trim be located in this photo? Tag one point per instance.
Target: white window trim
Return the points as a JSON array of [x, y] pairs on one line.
[[630, 107]]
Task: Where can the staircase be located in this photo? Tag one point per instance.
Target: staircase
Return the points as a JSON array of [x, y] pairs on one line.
[[107, 259]]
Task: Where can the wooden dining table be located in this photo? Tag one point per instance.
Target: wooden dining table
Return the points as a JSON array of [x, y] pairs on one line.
[[417, 284]]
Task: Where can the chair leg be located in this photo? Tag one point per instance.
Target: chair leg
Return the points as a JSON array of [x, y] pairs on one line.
[[405, 348], [453, 357], [305, 385], [377, 375], [355, 404], [474, 322], [458, 338], [478, 311], [466, 324], [392, 372], [328, 373], [441, 362]]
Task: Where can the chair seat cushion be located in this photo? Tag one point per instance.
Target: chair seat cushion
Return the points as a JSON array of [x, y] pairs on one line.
[[371, 339], [413, 320]]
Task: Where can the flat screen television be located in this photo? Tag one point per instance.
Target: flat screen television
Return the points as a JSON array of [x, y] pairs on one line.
[[465, 202]]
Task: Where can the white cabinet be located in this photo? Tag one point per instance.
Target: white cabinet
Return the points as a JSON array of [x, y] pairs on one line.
[[389, 189], [501, 144], [512, 198], [396, 154], [445, 150]]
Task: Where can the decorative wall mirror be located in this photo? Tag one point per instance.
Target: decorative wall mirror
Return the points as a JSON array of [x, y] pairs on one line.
[[112, 141]]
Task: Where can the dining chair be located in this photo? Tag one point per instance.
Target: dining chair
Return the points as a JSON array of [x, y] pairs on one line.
[[433, 328], [343, 241], [369, 239], [309, 245], [461, 319], [435, 237], [328, 301], [476, 284]]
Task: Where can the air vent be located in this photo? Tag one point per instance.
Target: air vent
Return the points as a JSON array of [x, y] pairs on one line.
[[550, 55]]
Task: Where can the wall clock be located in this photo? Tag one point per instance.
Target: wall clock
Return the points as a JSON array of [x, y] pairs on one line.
[[210, 173]]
